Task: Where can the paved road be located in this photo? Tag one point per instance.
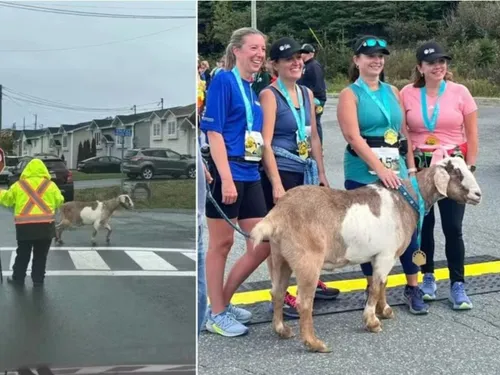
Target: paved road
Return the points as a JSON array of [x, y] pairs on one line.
[[443, 342], [130, 303]]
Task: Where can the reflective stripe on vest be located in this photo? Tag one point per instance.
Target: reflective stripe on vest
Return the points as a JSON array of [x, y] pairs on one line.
[[35, 199]]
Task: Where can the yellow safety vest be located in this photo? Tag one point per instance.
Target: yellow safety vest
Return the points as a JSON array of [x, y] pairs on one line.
[[27, 214]]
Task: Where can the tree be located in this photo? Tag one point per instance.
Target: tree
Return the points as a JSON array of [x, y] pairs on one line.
[[6, 142], [94, 148]]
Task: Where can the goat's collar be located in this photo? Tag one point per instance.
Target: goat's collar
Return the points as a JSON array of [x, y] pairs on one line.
[[418, 205]]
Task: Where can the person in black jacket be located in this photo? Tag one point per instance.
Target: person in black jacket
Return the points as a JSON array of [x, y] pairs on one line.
[[313, 77]]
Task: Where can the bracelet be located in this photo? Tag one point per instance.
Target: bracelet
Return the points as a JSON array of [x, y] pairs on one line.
[[412, 170]]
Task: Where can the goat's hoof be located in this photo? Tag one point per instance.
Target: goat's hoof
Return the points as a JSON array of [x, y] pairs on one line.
[[59, 242], [317, 345], [108, 241], [284, 331], [94, 243], [374, 325], [387, 313]]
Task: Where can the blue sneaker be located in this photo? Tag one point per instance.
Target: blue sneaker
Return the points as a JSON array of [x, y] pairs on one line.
[[458, 297], [413, 296], [225, 324], [243, 316], [429, 287]]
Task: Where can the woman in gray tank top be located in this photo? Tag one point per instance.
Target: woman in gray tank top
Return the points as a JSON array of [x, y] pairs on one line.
[[292, 153]]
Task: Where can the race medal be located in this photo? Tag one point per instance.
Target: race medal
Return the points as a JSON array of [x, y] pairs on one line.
[[303, 150], [390, 137], [319, 109], [253, 146], [419, 258], [432, 140]]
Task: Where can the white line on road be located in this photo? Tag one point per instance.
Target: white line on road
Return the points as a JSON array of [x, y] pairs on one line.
[[97, 248], [191, 255], [150, 261], [115, 273], [88, 260], [13, 259]]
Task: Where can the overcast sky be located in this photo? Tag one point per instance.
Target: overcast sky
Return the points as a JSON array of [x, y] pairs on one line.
[[117, 75]]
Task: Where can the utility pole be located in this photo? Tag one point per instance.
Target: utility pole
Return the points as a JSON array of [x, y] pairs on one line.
[[135, 109], [36, 118], [24, 123], [254, 13], [161, 103], [1, 99]]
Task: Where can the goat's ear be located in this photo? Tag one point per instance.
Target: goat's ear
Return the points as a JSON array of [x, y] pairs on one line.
[[441, 180]]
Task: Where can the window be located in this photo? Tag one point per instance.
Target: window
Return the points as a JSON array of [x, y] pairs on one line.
[[157, 130], [172, 127], [97, 137], [173, 155], [65, 141]]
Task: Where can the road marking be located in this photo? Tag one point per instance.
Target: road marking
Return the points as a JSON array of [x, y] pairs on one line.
[[150, 261], [351, 285], [115, 273], [106, 248], [88, 260], [13, 259], [191, 255], [93, 370]]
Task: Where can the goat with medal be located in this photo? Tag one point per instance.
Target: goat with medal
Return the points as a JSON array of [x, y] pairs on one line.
[[313, 228]]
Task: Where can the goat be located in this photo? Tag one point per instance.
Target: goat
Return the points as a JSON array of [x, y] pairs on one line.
[[313, 228], [94, 213]]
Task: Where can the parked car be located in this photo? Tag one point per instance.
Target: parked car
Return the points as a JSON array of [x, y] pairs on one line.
[[100, 164], [10, 162], [60, 174], [148, 162]]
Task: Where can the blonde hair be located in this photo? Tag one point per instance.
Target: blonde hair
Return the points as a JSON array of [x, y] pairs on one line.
[[237, 40]]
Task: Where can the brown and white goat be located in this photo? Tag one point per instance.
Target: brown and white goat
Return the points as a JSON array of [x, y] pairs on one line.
[[94, 213], [313, 228]]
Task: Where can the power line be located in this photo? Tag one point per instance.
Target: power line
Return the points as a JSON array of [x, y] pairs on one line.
[[89, 14], [59, 4], [92, 45]]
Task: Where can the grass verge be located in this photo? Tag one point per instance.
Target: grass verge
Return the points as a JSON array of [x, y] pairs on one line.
[[172, 194], [80, 176]]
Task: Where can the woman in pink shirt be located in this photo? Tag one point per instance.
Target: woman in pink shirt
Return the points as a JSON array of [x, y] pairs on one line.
[[441, 117]]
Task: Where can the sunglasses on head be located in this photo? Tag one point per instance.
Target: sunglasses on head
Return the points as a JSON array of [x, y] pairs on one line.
[[372, 42]]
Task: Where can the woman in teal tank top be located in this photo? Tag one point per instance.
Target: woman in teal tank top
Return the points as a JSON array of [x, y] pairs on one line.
[[370, 115]]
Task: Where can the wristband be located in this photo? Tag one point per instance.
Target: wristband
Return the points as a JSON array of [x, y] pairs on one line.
[[412, 170]]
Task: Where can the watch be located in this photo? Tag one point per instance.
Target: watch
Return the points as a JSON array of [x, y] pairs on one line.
[[472, 168]]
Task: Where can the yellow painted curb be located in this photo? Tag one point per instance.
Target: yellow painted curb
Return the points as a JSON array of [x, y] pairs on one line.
[[474, 269]]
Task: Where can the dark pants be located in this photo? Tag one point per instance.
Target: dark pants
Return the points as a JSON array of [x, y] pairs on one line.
[[319, 126], [452, 215], [40, 251]]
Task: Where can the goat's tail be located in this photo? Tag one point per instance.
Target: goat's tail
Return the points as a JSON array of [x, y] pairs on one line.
[[262, 231]]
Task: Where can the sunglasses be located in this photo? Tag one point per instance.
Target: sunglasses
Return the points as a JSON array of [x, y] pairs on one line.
[[372, 42]]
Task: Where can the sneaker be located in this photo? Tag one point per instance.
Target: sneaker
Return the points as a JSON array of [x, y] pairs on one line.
[[429, 287], [414, 298], [323, 292], [289, 306], [225, 324], [243, 316], [458, 297]]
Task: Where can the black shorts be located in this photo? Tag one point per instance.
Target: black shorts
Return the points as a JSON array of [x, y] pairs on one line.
[[250, 203], [289, 181]]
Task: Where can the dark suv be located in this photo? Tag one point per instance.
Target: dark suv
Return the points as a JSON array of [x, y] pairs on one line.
[[148, 162], [61, 175]]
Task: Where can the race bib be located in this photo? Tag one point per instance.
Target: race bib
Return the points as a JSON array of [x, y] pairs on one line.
[[253, 146], [304, 147], [389, 156]]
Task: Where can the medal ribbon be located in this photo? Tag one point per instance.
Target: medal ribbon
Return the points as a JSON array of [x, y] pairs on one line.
[[421, 209], [248, 106], [384, 106], [431, 124], [301, 121]]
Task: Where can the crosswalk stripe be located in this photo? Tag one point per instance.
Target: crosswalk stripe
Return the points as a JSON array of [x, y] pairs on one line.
[[88, 260], [192, 256], [150, 261], [114, 273], [13, 259]]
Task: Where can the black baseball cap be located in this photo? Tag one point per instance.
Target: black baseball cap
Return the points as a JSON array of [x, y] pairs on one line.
[[285, 48], [308, 48], [431, 51], [369, 45]]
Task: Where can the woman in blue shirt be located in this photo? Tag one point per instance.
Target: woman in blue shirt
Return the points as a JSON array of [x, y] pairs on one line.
[[370, 110], [288, 124], [233, 124]]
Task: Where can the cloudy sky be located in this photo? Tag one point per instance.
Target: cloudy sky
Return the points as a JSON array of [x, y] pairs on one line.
[[105, 80]]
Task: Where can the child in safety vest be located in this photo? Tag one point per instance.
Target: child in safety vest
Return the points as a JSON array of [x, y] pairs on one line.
[[35, 199]]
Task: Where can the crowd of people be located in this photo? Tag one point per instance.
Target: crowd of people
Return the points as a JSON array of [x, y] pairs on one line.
[[261, 119]]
